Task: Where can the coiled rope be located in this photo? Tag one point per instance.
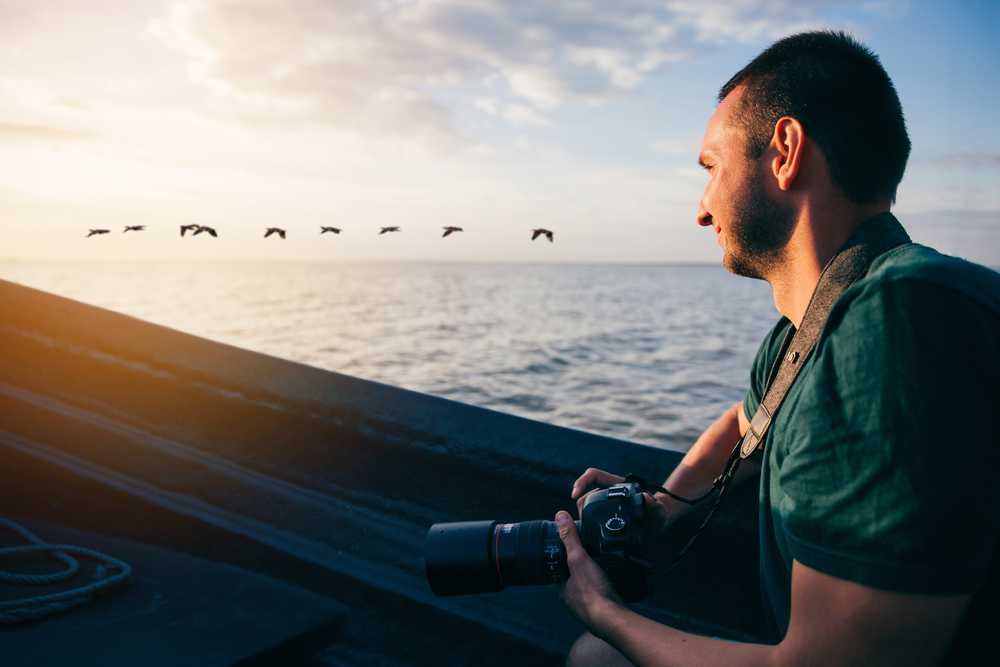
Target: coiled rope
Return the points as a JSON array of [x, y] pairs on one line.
[[32, 609]]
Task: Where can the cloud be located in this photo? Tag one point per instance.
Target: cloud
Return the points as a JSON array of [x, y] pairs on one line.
[[515, 113], [488, 105], [72, 103], [751, 20], [518, 113], [971, 160], [16, 131], [378, 66]]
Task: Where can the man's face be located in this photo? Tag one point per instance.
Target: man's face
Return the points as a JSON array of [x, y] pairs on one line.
[[751, 226]]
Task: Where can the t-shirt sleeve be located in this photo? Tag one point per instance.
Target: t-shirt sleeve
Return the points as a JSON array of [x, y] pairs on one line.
[[886, 476]]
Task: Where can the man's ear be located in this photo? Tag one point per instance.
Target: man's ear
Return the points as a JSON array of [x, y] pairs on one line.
[[789, 140]]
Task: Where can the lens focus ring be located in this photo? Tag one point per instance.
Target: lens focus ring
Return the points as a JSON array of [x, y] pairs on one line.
[[529, 553]]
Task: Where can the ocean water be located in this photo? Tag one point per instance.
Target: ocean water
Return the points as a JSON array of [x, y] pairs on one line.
[[647, 353]]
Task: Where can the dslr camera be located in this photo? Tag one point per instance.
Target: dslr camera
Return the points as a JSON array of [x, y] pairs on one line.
[[487, 556]]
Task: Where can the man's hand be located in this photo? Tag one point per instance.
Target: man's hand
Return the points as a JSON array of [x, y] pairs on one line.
[[657, 516], [695, 474], [593, 477], [588, 589]]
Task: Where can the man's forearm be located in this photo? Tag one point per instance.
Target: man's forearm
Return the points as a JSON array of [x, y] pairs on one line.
[[705, 460], [647, 643]]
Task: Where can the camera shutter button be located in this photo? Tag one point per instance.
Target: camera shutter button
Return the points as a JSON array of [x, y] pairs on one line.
[[615, 524]]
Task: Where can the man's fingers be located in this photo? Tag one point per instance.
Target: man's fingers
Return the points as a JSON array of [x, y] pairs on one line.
[[596, 477], [593, 477]]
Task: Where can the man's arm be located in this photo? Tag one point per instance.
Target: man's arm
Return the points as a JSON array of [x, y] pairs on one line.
[[695, 473], [834, 623], [705, 460]]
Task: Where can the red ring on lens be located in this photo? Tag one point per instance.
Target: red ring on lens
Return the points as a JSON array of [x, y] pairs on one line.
[[496, 553]]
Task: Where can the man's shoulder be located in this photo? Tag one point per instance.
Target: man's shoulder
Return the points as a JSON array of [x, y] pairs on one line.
[[919, 319], [914, 270]]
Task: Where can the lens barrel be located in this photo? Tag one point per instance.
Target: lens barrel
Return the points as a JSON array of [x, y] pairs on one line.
[[487, 556], [457, 558]]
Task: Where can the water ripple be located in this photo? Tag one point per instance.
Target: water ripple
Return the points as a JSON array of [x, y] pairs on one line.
[[651, 354]]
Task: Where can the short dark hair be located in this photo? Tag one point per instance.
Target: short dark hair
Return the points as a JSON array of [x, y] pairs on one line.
[[836, 87]]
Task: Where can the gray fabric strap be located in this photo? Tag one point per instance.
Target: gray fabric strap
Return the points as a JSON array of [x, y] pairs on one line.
[[879, 234]]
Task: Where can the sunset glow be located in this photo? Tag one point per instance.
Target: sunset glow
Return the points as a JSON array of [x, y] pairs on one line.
[[578, 117]]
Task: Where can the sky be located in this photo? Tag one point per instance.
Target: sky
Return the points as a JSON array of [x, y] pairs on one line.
[[580, 116]]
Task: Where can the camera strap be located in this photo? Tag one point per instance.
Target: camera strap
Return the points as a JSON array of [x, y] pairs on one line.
[[852, 261]]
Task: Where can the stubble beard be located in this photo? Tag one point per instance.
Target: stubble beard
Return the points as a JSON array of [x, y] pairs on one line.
[[758, 234]]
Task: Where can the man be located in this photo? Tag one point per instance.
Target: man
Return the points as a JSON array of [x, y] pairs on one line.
[[879, 512]]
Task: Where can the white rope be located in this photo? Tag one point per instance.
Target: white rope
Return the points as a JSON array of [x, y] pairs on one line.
[[31, 609]]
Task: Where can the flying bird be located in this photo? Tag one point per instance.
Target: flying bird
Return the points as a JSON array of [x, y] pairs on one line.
[[329, 229], [275, 230], [539, 232], [389, 229], [135, 228], [97, 231], [184, 228], [203, 228], [449, 230]]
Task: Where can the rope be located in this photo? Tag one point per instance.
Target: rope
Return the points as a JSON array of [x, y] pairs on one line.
[[32, 609], [72, 567]]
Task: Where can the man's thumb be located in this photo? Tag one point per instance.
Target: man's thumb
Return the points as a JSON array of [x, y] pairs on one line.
[[567, 532]]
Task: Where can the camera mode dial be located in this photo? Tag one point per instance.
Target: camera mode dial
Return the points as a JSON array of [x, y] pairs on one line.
[[615, 524]]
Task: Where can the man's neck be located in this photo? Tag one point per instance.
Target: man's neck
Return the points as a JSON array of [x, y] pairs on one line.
[[819, 234]]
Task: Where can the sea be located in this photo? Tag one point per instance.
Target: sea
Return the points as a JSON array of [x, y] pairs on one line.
[[652, 354]]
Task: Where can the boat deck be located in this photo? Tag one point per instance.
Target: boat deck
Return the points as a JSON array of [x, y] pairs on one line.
[[268, 493]]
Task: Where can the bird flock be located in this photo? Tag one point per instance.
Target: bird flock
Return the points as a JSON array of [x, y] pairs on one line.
[[198, 229]]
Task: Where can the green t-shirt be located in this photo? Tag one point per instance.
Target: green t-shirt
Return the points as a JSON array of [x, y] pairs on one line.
[[881, 464]]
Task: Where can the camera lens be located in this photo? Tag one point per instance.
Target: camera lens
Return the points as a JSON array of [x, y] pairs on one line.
[[487, 556], [529, 554]]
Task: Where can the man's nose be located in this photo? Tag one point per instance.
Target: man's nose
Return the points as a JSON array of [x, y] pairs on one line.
[[704, 217]]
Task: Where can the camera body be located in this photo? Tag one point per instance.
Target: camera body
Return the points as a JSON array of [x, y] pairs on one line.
[[487, 556], [613, 533]]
